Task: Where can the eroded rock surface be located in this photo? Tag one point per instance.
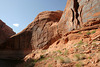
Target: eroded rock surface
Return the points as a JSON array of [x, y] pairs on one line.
[[37, 34], [41, 33], [77, 13], [45, 28]]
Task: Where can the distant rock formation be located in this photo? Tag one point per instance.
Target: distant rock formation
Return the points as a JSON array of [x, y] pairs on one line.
[[5, 32], [77, 13]]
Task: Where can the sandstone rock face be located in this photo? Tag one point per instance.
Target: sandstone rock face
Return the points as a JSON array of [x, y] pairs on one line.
[[37, 34], [77, 13], [41, 32], [45, 28], [5, 32]]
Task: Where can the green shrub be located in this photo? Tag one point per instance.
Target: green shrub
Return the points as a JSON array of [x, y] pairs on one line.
[[63, 59], [88, 33], [81, 42], [43, 51], [89, 57], [41, 58], [67, 60], [79, 57], [49, 65], [75, 44], [79, 32], [93, 32], [86, 44], [59, 59], [66, 52], [78, 65], [30, 63], [59, 51]]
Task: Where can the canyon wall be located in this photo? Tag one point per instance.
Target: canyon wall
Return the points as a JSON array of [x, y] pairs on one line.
[[49, 26], [39, 33], [77, 13], [5, 32]]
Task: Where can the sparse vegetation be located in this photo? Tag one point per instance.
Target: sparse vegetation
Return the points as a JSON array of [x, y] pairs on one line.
[[75, 44], [61, 59], [78, 65], [81, 42], [79, 32], [59, 51], [89, 57], [30, 63], [67, 60], [94, 44], [94, 40], [93, 32], [43, 51], [79, 57], [41, 58], [49, 65], [54, 51], [66, 52], [86, 44], [88, 33]]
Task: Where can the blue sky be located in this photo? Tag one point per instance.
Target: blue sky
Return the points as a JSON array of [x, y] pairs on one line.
[[19, 13]]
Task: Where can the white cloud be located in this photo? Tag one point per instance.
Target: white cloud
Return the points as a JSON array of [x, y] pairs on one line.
[[16, 25]]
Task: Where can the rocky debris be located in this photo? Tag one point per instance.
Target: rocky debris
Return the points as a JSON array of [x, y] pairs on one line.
[[79, 14], [79, 52], [88, 51], [95, 36], [5, 32]]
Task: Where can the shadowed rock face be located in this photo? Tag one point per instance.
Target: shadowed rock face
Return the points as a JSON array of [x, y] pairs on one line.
[[77, 13], [5, 32]]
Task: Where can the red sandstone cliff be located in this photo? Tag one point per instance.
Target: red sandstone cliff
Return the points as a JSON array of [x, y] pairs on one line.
[[38, 34], [77, 13], [5, 32], [80, 25], [78, 42]]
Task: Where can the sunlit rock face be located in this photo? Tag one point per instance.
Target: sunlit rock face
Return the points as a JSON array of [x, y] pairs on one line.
[[5, 32], [45, 28], [77, 13]]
